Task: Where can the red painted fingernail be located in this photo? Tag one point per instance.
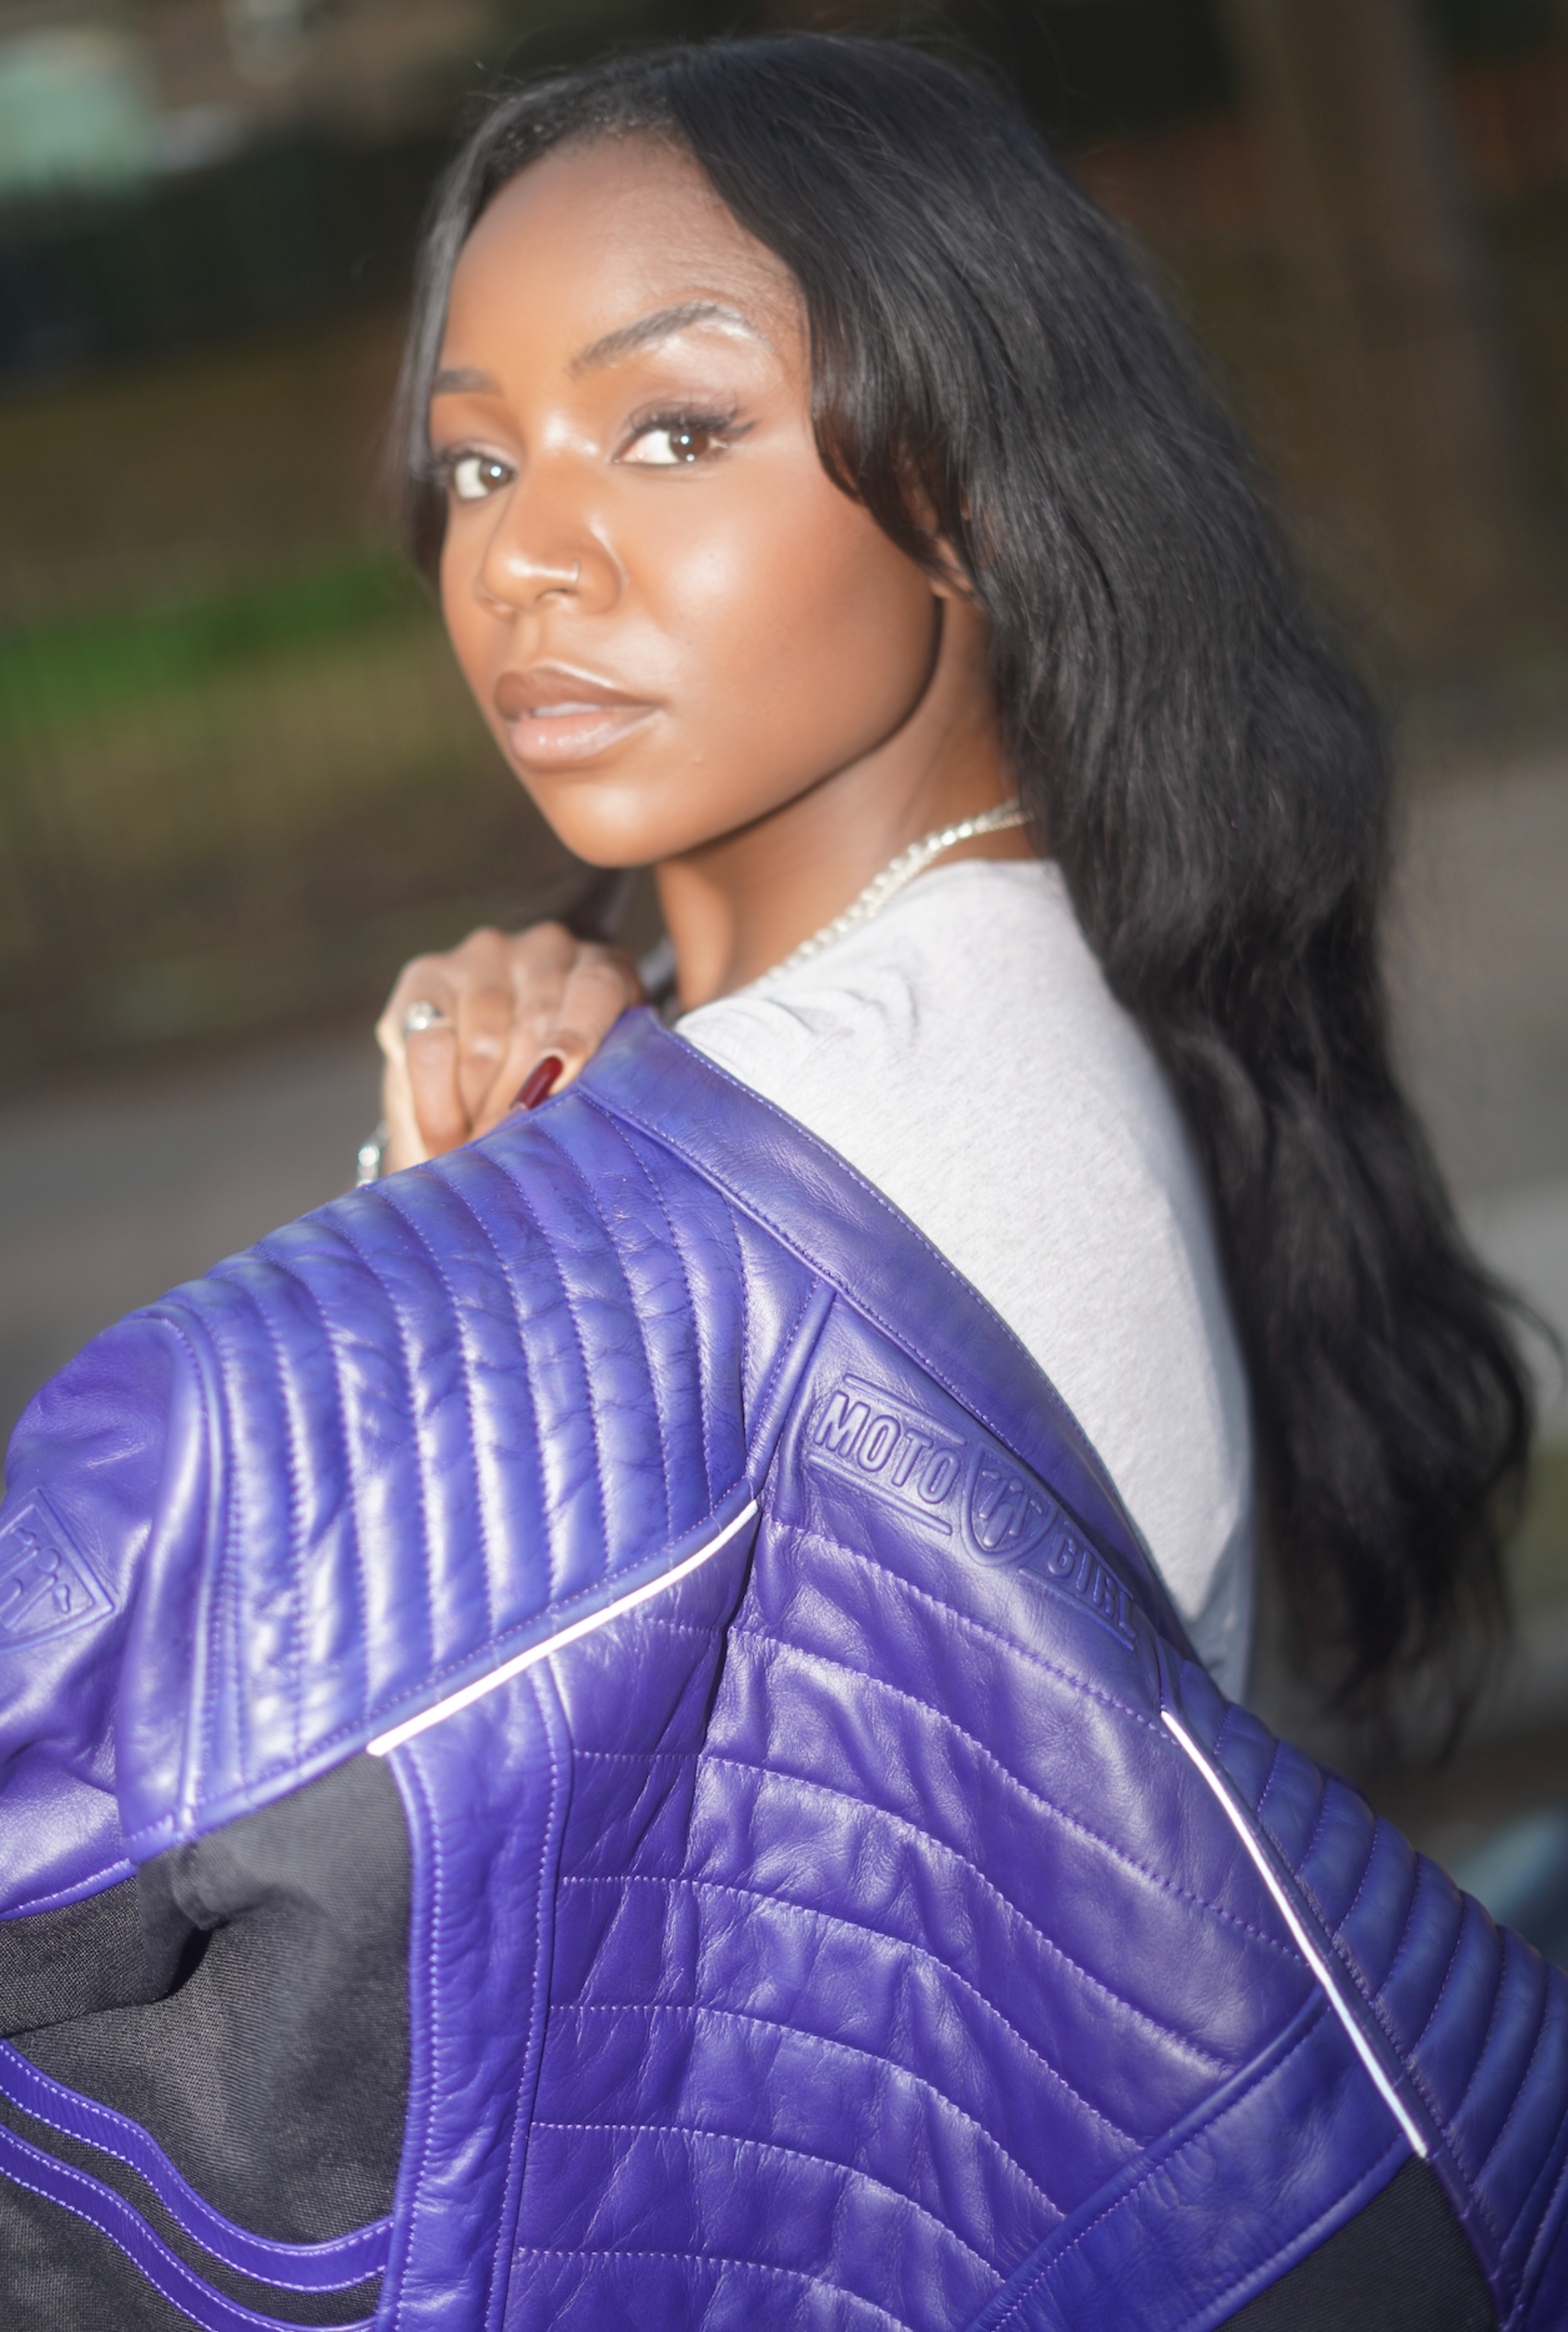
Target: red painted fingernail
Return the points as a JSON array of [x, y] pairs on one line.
[[536, 1086]]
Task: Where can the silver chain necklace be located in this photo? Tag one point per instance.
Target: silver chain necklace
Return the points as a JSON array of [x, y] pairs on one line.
[[886, 886]]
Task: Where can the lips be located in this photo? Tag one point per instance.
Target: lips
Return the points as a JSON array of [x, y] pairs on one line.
[[554, 716], [550, 689]]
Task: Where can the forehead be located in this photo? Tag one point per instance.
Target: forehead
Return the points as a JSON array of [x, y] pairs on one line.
[[595, 234]]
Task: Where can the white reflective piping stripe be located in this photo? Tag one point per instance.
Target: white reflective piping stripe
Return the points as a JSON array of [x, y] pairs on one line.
[[1308, 1949], [386, 1742]]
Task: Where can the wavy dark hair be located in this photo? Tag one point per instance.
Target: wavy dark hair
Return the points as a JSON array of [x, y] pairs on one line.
[[994, 371]]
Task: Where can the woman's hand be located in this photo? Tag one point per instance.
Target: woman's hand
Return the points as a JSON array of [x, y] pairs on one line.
[[504, 1005]]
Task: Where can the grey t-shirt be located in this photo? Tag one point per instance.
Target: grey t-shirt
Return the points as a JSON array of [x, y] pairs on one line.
[[962, 1051]]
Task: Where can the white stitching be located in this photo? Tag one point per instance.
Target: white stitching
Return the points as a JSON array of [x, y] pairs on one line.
[[90, 2107], [718, 2259], [237, 2311], [940, 1717], [793, 1907], [773, 2145], [1211, 2064]]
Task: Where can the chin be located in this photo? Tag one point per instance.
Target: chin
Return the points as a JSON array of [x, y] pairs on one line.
[[602, 841], [610, 823]]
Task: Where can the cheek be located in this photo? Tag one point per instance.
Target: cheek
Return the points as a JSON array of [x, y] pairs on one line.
[[808, 638]]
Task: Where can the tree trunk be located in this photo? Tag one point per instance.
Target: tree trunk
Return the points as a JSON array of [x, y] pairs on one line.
[[1403, 333]]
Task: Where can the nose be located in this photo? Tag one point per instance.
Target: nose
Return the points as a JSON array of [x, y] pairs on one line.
[[540, 549]]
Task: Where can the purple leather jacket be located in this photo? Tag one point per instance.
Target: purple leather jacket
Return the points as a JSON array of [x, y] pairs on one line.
[[586, 1744]]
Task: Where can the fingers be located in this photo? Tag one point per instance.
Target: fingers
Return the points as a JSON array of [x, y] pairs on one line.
[[429, 1091], [497, 1008], [563, 1019], [481, 978], [440, 1114], [404, 1144], [601, 984]]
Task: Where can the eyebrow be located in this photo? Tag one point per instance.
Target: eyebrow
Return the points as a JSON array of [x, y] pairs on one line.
[[462, 380], [662, 325]]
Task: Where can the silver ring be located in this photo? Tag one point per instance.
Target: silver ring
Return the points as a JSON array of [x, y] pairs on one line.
[[372, 1157], [424, 1014]]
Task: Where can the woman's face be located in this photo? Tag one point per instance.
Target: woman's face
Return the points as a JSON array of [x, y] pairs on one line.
[[672, 620]]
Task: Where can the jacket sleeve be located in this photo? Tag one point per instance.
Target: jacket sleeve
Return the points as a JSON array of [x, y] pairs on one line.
[[204, 2054], [350, 1471], [249, 1535], [106, 1480]]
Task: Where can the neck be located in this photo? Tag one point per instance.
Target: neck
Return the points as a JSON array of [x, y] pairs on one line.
[[737, 906]]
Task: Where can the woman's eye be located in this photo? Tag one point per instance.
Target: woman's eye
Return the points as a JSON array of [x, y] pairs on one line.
[[667, 444], [475, 475]]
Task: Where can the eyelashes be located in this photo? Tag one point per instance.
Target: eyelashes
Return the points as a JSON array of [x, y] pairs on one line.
[[678, 438], [470, 477]]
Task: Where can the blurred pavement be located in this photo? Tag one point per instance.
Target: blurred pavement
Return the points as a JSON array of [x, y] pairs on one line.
[[116, 1190]]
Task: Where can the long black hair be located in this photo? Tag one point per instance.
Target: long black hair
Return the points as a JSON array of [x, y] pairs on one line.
[[994, 371]]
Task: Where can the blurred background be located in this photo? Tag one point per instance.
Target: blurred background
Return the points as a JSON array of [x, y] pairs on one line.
[[239, 779]]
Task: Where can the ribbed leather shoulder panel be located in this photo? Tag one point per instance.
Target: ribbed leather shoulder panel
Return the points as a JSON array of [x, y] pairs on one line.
[[359, 1466], [443, 1417]]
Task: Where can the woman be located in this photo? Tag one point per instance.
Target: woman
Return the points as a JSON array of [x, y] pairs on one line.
[[1094, 616], [592, 1742]]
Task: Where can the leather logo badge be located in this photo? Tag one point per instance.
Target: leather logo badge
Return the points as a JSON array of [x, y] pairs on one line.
[[46, 1588], [1005, 1517], [881, 1444], [956, 1487]]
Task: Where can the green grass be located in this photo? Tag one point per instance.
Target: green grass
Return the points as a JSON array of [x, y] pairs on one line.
[[54, 676]]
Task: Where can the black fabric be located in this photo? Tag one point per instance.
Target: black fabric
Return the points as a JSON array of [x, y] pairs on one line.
[[272, 2069], [57, 1964], [1401, 2265], [59, 2275]]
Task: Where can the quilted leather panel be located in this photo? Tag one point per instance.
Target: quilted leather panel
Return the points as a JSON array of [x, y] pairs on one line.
[[1216, 2201], [809, 1204], [858, 1993], [1479, 2021]]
